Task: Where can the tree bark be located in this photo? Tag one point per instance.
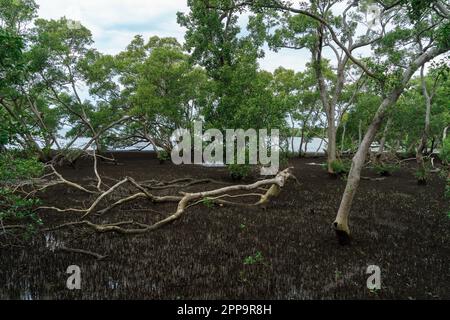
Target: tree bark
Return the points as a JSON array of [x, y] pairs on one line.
[[331, 149], [302, 139], [379, 157], [426, 131], [343, 138], [341, 225], [328, 105]]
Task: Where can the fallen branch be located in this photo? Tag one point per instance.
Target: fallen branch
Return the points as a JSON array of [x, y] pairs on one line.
[[78, 223], [62, 180], [81, 251], [122, 201], [103, 195], [176, 184], [184, 202], [373, 179], [62, 210]]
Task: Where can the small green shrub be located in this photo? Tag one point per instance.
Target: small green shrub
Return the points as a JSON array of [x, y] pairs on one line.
[[341, 167], [208, 202], [422, 174], [385, 169], [163, 156], [239, 171], [254, 259]]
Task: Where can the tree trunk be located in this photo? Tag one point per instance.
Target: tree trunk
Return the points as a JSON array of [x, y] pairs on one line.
[[343, 138], [341, 223], [293, 134], [302, 140], [360, 133], [379, 157], [331, 149], [426, 131], [329, 106]]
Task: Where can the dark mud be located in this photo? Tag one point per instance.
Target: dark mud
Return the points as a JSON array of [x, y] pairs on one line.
[[397, 225]]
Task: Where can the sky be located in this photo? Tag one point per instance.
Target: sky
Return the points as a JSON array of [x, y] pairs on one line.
[[114, 23]]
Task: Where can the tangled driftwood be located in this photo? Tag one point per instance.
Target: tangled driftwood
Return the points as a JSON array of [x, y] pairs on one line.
[[270, 188]]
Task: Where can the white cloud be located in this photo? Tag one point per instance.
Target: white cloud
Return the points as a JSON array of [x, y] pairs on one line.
[[114, 23], [110, 12], [287, 58]]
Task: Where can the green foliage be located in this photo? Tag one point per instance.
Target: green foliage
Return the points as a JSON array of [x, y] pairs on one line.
[[341, 167], [422, 174], [254, 259], [445, 152], [14, 208], [241, 96], [11, 47], [384, 169], [14, 167], [207, 202], [16, 12], [163, 156], [239, 171]]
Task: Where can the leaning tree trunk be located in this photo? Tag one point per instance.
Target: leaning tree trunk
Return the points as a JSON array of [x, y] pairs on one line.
[[341, 223]]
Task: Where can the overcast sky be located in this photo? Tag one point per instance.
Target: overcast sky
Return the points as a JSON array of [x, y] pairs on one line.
[[115, 22]]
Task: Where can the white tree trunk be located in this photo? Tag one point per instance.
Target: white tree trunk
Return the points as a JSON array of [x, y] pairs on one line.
[[426, 131], [341, 225]]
